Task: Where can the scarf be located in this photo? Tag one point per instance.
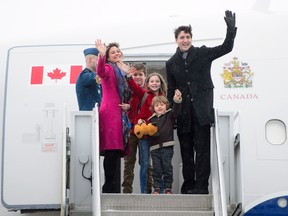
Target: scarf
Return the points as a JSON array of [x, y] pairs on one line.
[[125, 96], [123, 87]]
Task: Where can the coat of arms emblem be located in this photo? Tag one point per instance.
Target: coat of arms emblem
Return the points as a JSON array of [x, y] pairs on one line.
[[237, 74]]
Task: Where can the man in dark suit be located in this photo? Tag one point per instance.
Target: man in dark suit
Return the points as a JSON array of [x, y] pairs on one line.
[[189, 70]]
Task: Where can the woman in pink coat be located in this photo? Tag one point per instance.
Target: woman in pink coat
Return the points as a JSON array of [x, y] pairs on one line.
[[114, 123]]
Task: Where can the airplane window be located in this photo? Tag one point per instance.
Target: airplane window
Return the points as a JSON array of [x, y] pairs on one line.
[[276, 133]]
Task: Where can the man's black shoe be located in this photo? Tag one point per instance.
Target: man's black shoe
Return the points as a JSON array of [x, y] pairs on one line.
[[190, 191], [183, 191], [198, 191], [203, 191]]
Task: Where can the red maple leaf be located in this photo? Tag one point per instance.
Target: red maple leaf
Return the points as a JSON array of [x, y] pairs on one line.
[[56, 74]]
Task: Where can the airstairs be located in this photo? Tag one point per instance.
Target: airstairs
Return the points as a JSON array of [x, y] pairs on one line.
[[80, 200], [146, 205]]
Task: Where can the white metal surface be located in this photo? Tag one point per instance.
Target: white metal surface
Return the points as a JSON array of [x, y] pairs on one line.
[[262, 164], [32, 138], [96, 198], [81, 160], [218, 180]]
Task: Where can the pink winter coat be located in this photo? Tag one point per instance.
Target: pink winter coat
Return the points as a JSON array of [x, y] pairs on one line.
[[110, 127]]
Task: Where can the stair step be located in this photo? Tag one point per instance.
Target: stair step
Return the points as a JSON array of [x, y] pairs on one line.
[[144, 213], [157, 213], [147, 204], [159, 202]]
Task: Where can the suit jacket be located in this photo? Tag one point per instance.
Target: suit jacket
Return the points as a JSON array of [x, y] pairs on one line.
[[193, 78]]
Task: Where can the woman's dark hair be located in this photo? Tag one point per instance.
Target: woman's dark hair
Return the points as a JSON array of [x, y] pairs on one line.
[[109, 46]]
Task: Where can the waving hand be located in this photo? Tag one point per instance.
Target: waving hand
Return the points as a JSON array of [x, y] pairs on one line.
[[230, 19]]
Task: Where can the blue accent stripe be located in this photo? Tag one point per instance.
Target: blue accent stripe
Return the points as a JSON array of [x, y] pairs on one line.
[[269, 208]]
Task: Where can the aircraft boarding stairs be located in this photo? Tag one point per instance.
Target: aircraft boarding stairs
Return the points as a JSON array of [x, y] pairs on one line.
[[80, 199], [145, 205]]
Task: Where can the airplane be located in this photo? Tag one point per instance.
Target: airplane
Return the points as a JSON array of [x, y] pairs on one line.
[[250, 147]]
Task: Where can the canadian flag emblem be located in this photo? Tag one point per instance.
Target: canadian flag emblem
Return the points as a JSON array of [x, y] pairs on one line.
[[51, 75]]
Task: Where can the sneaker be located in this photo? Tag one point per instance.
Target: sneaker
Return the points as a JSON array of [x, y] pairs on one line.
[[168, 191], [156, 191]]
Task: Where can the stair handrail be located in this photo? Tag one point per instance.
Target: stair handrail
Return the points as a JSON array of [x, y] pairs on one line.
[[96, 191], [63, 164], [217, 174]]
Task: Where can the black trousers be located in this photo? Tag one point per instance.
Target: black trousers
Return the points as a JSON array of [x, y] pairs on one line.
[[111, 164], [195, 153]]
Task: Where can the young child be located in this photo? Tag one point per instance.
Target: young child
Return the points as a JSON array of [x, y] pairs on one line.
[[155, 85], [161, 144]]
